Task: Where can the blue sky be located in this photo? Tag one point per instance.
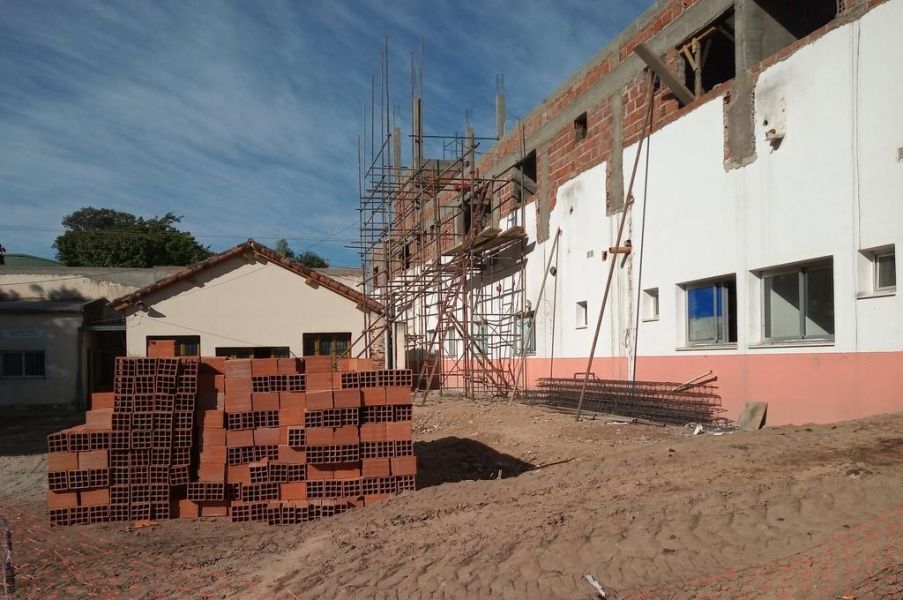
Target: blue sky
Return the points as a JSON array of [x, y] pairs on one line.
[[244, 116]]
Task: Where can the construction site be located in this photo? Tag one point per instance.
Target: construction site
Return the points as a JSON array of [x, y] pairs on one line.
[[643, 342]]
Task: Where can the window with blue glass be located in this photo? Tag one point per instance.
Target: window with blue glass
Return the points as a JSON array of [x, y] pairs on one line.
[[712, 312]]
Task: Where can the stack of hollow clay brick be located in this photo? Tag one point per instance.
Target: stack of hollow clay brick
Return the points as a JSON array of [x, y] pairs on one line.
[[133, 454], [285, 441]]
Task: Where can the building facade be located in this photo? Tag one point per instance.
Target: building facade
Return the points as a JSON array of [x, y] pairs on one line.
[[245, 302], [763, 225]]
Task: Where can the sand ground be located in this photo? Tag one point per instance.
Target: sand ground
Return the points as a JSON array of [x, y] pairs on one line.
[[519, 502]]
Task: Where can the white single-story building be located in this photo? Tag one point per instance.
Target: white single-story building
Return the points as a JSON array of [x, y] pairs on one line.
[[248, 301]]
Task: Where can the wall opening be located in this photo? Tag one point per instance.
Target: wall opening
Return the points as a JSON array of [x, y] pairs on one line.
[[580, 127], [802, 17], [708, 55], [528, 165]]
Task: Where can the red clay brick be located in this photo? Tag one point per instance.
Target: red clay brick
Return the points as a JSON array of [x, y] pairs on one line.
[[238, 402], [188, 509], [211, 364], [336, 381], [292, 400], [320, 400], [264, 366], [99, 419], [212, 437], [318, 364], [95, 497], [346, 470], [291, 416], [238, 474], [215, 472], [404, 465], [344, 435], [373, 432], [319, 436], [293, 491], [213, 454], [317, 382], [398, 395], [211, 419], [237, 439], [214, 510], [320, 472], [266, 436], [94, 459], [346, 398], [398, 431], [61, 500], [374, 396], [375, 467], [101, 400], [62, 461], [263, 401], [290, 455], [237, 368], [289, 366]]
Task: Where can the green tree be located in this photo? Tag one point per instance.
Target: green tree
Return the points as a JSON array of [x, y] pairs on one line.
[[312, 260], [103, 237], [284, 249]]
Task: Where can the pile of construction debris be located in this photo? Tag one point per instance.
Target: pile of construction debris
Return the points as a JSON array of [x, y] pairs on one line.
[[276, 440]]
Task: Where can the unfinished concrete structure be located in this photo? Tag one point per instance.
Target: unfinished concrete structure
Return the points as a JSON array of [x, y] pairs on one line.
[[759, 242]]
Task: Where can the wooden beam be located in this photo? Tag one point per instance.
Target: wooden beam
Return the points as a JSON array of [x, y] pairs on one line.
[[664, 73]]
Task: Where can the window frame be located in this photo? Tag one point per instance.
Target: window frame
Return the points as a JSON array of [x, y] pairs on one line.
[[450, 343], [22, 353], [318, 337], [520, 320], [480, 336], [715, 282], [876, 280], [651, 304], [582, 311], [801, 270]]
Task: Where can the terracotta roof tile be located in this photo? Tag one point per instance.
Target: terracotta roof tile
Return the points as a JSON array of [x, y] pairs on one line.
[[260, 250]]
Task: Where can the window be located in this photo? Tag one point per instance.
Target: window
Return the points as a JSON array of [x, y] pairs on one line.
[[581, 314], [480, 333], [253, 352], [580, 127], [712, 312], [799, 303], [327, 344], [708, 56], [23, 364], [526, 333], [451, 342], [885, 276], [183, 345], [650, 304]]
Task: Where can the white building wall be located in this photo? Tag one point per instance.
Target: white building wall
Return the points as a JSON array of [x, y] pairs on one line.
[[243, 304]]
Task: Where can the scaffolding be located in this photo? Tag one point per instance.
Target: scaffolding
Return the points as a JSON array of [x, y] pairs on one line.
[[437, 253]]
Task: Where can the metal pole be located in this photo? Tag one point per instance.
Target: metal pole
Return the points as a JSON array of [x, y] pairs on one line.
[[542, 287], [611, 269]]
